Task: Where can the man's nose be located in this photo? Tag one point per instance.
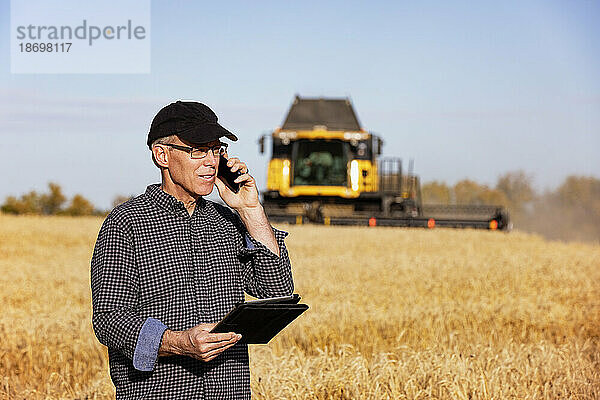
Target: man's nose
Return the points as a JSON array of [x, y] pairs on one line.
[[211, 159]]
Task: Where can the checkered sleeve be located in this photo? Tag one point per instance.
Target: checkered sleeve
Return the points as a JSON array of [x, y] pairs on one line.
[[268, 275], [115, 285]]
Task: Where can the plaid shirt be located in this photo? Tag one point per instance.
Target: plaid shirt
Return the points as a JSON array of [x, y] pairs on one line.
[[154, 262]]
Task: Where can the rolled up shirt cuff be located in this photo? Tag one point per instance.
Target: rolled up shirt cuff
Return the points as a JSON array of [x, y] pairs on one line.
[[148, 343], [253, 244], [249, 244]]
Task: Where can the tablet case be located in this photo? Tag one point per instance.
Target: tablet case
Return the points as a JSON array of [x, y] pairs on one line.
[[259, 321]]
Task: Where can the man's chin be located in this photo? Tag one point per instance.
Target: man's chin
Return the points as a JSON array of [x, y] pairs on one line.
[[205, 189]]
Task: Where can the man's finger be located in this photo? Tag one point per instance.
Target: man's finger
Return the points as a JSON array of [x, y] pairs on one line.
[[214, 343], [231, 161], [234, 164], [239, 166], [220, 337], [243, 178], [214, 353], [209, 347]]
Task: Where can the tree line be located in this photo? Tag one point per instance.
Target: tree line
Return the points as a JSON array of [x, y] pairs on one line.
[[569, 212], [53, 202], [513, 190]]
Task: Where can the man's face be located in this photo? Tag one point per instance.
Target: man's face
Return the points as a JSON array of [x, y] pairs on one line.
[[195, 176]]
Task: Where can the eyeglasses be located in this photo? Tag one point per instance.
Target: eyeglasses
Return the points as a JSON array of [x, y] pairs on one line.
[[201, 152]]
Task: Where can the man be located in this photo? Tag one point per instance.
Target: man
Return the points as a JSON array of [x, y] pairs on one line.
[[169, 264]]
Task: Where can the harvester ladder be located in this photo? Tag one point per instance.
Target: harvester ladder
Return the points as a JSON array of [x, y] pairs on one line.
[[390, 176]]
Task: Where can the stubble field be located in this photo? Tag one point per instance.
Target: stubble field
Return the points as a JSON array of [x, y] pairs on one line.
[[395, 314]]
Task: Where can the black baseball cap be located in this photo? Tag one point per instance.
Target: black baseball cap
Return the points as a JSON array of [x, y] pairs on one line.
[[190, 120]]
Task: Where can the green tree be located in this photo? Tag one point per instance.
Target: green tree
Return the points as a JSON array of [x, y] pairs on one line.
[[52, 202], [571, 212], [78, 206], [466, 192], [472, 193], [29, 203], [580, 191], [12, 205], [517, 187], [435, 193], [493, 197]]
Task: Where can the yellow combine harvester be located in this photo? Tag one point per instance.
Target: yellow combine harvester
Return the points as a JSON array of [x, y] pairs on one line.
[[325, 168]]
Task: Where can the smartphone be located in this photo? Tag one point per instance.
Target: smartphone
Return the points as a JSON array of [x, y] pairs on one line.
[[227, 176]]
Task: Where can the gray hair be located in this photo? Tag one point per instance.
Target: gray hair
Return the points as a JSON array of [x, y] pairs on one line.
[[163, 140]]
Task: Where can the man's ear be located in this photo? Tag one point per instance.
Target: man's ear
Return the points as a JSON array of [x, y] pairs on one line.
[[160, 156]]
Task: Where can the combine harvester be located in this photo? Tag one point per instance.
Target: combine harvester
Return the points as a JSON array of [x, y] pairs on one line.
[[325, 168]]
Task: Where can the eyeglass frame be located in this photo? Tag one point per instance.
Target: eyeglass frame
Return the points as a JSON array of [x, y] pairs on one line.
[[222, 149]]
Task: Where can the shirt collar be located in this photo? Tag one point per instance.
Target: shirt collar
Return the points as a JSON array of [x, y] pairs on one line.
[[167, 201]]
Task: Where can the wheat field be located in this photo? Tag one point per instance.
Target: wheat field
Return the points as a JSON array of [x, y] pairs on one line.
[[395, 314]]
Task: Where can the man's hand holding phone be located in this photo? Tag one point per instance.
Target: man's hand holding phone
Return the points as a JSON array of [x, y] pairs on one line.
[[233, 174], [245, 201], [227, 176]]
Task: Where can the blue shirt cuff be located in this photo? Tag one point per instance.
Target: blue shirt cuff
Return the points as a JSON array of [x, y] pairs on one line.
[[249, 244], [253, 244], [148, 343]]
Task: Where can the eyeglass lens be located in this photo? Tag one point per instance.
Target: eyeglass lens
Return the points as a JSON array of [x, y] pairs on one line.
[[203, 152]]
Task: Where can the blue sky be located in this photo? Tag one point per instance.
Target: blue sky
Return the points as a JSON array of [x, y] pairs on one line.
[[466, 89]]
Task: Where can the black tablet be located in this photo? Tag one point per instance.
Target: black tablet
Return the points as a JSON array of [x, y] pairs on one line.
[[259, 321]]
